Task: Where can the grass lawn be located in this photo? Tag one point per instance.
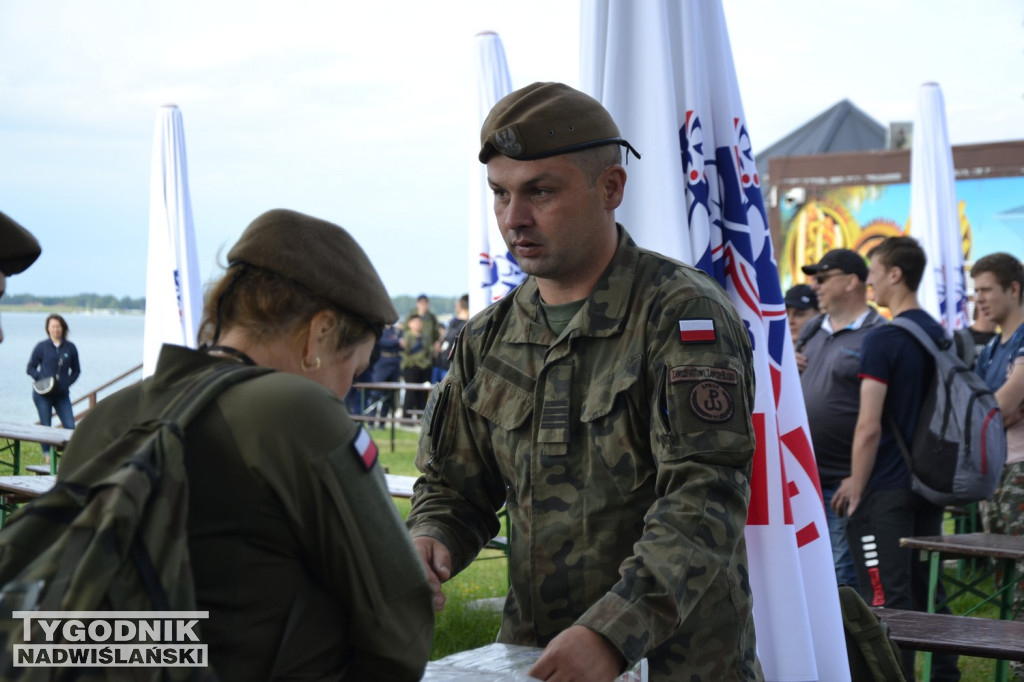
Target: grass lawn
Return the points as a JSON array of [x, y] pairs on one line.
[[460, 626]]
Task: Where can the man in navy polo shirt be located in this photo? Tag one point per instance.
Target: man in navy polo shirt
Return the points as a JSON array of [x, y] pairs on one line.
[[831, 350], [895, 373]]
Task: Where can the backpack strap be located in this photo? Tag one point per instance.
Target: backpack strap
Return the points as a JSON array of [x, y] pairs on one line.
[[809, 330], [194, 398], [931, 347]]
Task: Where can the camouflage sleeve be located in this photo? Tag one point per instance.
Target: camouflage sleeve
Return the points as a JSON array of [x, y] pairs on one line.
[[688, 569], [457, 497]]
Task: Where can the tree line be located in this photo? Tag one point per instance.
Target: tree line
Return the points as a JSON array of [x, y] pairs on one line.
[[440, 305], [78, 301]]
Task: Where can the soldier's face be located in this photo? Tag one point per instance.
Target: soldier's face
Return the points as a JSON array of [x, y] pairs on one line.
[[341, 367], [553, 221]]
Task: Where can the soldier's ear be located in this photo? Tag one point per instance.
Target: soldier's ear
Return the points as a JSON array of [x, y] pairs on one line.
[[612, 184]]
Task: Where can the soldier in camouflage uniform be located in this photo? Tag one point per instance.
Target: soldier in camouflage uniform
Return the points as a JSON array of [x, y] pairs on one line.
[[606, 403]]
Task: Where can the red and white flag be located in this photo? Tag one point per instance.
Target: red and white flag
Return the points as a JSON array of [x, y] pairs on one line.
[[174, 299], [493, 272], [934, 218], [664, 70]]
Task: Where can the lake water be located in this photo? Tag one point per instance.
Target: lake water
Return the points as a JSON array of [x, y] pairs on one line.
[[109, 344]]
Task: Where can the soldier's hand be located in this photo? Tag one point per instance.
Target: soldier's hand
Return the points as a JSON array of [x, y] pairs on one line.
[[437, 561], [578, 654]]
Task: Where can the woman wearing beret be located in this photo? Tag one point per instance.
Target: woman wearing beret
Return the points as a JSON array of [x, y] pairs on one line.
[[297, 551], [58, 358]]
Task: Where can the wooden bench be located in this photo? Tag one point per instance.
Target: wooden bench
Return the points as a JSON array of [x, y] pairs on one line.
[[963, 635], [12, 434]]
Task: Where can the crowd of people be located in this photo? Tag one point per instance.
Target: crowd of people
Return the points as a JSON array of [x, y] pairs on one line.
[[415, 351], [605, 405], [863, 379]]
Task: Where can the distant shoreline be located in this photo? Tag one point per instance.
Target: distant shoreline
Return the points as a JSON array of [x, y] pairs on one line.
[[40, 308]]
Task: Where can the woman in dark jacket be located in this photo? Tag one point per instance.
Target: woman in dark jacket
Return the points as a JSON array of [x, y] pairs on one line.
[[58, 358]]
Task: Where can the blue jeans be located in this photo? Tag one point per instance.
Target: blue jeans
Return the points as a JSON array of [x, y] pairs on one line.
[[846, 573], [45, 405]]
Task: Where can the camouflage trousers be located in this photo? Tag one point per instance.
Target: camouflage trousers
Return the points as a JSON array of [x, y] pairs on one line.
[[1004, 513]]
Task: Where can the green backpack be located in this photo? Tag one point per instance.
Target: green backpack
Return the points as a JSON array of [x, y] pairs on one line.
[[115, 541], [874, 657]]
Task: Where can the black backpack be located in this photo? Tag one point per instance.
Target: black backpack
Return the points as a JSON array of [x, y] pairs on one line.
[[959, 447], [110, 542], [873, 656]]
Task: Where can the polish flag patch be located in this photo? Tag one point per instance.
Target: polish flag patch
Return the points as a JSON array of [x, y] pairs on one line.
[[698, 330], [366, 449]]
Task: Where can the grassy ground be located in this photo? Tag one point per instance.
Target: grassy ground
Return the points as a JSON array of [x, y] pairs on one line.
[[461, 626]]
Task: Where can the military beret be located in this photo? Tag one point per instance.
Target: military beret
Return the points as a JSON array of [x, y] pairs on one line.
[[319, 255], [546, 119], [18, 248]]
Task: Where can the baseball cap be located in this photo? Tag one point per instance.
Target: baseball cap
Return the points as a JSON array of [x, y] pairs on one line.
[[801, 297], [844, 260]]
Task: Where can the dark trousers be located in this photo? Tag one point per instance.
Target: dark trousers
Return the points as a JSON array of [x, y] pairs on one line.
[[415, 400], [893, 576], [45, 406]]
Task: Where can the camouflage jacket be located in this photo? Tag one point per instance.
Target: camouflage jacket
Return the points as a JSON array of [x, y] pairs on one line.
[[622, 449]]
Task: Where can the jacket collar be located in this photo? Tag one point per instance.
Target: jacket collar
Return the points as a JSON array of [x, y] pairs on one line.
[[603, 313]]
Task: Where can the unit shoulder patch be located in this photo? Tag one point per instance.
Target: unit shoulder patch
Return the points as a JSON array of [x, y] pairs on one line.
[[712, 402]]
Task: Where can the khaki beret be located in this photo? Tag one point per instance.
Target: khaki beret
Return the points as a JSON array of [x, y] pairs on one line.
[[319, 255], [546, 119], [18, 248]]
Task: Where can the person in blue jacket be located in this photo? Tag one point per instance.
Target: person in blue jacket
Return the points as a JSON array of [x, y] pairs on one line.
[[58, 358]]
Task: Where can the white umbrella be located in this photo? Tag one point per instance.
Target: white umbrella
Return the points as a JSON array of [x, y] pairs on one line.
[[493, 271], [934, 219], [173, 295], [664, 70]]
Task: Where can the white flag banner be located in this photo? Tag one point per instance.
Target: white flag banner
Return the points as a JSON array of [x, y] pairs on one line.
[[174, 300], [934, 218], [493, 272], [664, 70]]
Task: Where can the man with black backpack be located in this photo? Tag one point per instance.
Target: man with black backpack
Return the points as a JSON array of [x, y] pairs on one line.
[[896, 373]]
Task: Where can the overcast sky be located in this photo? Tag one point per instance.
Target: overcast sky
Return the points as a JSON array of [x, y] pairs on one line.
[[364, 113]]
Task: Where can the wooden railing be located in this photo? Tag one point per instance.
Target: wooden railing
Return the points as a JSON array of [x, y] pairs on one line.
[[92, 397]]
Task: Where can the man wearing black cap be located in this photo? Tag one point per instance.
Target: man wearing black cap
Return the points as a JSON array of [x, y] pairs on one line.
[[801, 307], [606, 404], [18, 250], [829, 348]]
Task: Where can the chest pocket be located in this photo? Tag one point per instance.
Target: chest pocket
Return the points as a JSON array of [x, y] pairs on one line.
[[501, 394], [603, 394], [617, 428]]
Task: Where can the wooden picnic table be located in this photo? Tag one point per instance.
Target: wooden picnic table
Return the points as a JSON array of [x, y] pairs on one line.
[[1004, 551], [12, 434], [15, 490]]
